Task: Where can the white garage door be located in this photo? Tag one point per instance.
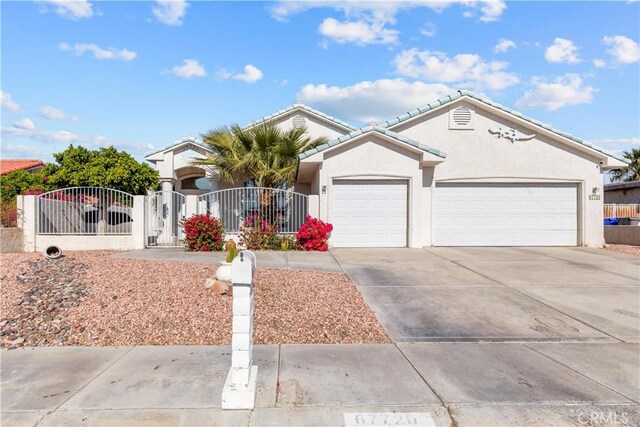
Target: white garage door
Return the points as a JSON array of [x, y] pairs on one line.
[[369, 213], [505, 215]]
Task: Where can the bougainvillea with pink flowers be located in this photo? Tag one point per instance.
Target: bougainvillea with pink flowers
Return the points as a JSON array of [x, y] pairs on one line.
[[313, 235], [203, 233], [256, 233]]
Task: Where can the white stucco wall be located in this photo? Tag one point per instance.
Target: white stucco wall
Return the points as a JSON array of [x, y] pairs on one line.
[[479, 156], [374, 158], [315, 127]]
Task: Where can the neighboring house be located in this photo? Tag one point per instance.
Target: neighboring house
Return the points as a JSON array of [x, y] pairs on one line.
[[460, 171], [11, 165], [622, 192]]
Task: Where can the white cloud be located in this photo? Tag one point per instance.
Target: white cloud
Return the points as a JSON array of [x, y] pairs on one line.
[[371, 100], [562, 50], [562, 91], [53, 113], [28, 151], [599, 63], [170, 12], [623, 49], [25, 124], [429, 29], [489, 10], [251, 74], [190, 68], [368, 22], [504, 45], [467, 70], [98, 52], [358, 32], [7, 103], [66, 137], [71, 9], [617, 145]]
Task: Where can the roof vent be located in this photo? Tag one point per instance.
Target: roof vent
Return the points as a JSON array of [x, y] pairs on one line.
[[461, 117], [298, 122]]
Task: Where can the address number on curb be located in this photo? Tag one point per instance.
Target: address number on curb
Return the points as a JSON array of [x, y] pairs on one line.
[[357, 419]]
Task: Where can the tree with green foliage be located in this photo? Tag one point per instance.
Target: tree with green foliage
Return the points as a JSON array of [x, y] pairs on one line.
[[20, 182], [105, 167], [630, 172]]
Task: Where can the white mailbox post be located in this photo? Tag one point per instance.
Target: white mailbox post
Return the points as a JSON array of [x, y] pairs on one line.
[[239, 390]]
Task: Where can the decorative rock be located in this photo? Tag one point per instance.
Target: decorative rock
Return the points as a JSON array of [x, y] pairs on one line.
[[222, 288], [209, 283], [41, 312]]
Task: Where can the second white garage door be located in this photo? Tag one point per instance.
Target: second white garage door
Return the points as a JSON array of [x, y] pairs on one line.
[[505, 215], [369, 214]]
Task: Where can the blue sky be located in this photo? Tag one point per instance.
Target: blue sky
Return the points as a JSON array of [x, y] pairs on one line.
[[142, 74]]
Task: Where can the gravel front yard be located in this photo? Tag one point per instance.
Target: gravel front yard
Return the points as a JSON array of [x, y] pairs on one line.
[[89, 298], [625, 249]]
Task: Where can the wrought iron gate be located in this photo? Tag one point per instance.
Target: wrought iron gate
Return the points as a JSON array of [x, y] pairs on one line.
[[164, 210]]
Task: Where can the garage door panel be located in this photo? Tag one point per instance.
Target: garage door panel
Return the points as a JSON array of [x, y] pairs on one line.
[[369, 213], [505, 215]]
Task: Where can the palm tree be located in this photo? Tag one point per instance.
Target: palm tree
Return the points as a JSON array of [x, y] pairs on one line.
[[262, 152], [630, 172]]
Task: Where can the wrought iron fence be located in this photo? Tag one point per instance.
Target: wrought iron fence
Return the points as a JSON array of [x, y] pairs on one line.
[[253, 206], [164, 212], [85, 210], [612, 210]]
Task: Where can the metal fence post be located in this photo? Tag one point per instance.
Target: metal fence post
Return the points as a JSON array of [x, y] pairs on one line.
[[239, 390]]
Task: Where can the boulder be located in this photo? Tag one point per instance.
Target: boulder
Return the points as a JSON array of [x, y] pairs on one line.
[[222, 288]]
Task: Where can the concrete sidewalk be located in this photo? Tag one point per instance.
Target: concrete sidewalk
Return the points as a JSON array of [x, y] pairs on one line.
[[447, 383], [316, 261]]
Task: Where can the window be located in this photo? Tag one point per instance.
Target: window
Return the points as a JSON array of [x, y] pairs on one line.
[[196, 183]]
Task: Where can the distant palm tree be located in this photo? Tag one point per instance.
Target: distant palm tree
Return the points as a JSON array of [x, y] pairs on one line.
[[630, 172], [262, 152]]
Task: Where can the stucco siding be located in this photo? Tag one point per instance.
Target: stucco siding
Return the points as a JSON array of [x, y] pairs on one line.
[[374, 158], [479, 156], [315, 127]]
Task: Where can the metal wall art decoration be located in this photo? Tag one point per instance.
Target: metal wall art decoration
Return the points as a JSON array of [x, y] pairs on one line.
[[510, 134]]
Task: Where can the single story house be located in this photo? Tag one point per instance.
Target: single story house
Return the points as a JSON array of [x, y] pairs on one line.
[[460, 171], [622, 192], [11, 165]]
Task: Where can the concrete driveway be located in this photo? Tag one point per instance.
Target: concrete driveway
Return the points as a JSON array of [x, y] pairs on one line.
[[499, 294]]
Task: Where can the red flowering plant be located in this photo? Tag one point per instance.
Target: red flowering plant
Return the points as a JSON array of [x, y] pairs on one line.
[[8, 214], [203, 233], [313, 235]]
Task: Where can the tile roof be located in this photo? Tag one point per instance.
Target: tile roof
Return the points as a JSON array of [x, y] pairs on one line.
[[367, 129], [621, 185], [189, 139], [301, 106], [12, 165], [278, 113], [460, 93]]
